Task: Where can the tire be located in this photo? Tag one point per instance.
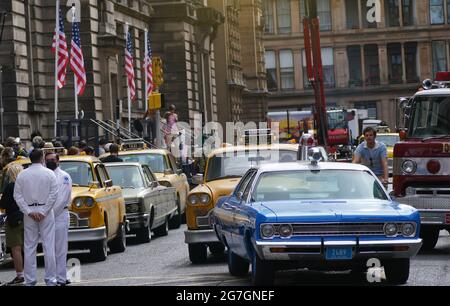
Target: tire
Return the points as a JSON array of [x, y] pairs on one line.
[[99, 250], [397, 270], [175, 221], [237, 266], [430, 237], [119, 244], [197, 253], [216, 248], [262, 273], [163, 230], [144, 234]]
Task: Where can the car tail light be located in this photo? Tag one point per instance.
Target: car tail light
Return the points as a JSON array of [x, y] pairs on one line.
[[433, 166]]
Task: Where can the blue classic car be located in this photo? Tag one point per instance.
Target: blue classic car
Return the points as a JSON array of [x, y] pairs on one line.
[[321, 216]]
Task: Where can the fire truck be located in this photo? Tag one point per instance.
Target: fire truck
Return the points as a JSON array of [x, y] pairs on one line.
[[421, 175]]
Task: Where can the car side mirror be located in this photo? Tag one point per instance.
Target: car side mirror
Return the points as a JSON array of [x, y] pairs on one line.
[[154, 184], [168, 171], [108, 183], [179, 171], [197, 179]]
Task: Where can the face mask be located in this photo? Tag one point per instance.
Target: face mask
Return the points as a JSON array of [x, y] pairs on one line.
[[51, 165]]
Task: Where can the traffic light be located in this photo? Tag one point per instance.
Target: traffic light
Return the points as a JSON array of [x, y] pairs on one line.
[[155, 101], [158, 74]]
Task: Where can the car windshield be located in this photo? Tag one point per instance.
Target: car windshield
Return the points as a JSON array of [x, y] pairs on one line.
[[317, 185], [431, 116], [126, 176], [80, 172], [388, 140], [156, 162], [235, 164]]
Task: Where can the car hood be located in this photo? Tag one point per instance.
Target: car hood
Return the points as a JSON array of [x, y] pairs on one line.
[[80, 191], [130, 193], [222, 187], [335, 211]]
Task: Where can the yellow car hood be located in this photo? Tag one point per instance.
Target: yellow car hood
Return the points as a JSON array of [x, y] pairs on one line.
[[221, 188], [80, 191]]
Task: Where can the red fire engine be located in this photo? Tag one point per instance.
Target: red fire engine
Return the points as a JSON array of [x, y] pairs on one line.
[[422, 159]]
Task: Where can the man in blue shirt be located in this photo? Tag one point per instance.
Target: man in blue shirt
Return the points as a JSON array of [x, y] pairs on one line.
[[373, 154]]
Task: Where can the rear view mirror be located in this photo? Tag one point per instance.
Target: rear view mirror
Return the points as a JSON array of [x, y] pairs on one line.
[[197, 179], [108, 183], [179, 171]]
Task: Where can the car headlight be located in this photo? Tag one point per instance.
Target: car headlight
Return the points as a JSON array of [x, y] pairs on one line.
[[285, 230], [132, 208], [193, 199], [78, 202], [205, 198], [89, 202], [409, 167], [267, 231], [408, 229], [390, 229]]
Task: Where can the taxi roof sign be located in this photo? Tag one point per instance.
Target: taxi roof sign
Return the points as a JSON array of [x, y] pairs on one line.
[[133, 144]]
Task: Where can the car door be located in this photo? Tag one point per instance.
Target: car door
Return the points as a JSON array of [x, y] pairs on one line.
[[110, 201], [157, 198], [180, 181], [241, 218]]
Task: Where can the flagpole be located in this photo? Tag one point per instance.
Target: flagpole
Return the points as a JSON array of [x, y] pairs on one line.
[[146, 71], [75, 85], [56, 67], [128, 86]]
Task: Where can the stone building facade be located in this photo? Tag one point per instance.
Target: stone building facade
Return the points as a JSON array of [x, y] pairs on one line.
[[366, 65], [181, 33]]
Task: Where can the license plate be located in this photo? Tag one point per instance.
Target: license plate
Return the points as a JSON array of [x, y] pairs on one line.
[[447, 218], [339, 253]]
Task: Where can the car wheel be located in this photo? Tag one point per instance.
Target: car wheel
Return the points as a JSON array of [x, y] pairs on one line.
[[163, 230], [99, 250], [175, 221], [216, 248], [397, 270], [262, 272], [197, 253], [119, 244], [430, 237], [237, 266], [144, 234]]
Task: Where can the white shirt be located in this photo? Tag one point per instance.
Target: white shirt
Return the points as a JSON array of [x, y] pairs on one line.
[[64, 197], [37, 184]]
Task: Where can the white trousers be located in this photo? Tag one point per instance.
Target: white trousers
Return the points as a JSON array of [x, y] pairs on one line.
[[45, 230], [61, 245]]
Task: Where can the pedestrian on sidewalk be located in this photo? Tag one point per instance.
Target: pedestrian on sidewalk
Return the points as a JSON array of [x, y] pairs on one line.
[[61, 212], [35, 192], [170, 130], [14, 223]]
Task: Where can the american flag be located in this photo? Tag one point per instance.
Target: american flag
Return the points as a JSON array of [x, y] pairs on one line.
[[148, 68], [63, 54], [129, 66], [77, 60]]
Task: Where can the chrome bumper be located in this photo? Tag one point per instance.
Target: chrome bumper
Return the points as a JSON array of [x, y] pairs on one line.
[[434, 210], [87, 234], [316, 250], [200, 236], [137, 220]]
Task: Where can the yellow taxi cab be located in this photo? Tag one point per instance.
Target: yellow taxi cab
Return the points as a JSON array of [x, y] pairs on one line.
[[164, 166], [224, 168], [97, 211]]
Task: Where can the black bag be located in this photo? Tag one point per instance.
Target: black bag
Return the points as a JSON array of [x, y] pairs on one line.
[[15, 218]]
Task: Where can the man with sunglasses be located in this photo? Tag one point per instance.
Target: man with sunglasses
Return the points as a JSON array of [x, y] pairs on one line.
[[373, 154]]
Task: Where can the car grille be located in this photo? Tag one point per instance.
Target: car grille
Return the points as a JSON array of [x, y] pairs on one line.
[[75, 222], [204, 221], [337, 229]]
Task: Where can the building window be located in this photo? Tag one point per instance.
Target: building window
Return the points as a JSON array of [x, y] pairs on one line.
[[323, 11], [411, 61], [372, 65], [284, 16], [394, 52], [437, 11], [408, 12], [352, 13], [271, 71], [371, 107], [354, 66], [327, 67], [286, 69], [268, 17], [392, 13], [439, 56]]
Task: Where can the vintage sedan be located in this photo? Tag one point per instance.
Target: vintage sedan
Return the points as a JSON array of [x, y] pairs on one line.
[[164, 166], [149, 206], [324, 216], [224, 168], [97, 211]]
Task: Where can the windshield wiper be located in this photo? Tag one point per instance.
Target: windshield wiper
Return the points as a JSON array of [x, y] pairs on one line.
[[225, 177], [435, 137]]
